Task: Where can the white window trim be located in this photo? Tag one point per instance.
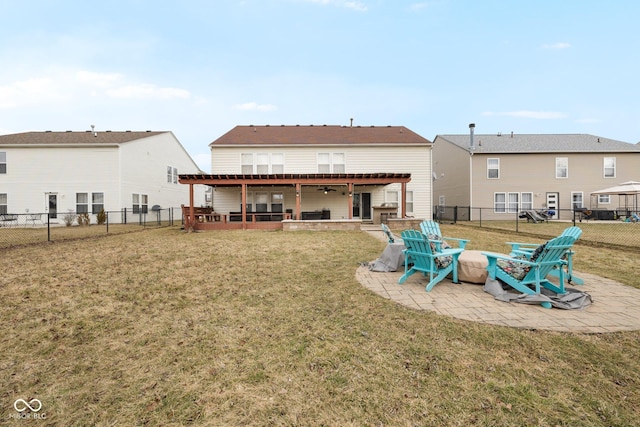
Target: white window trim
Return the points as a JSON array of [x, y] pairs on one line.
[[496, 168], [566, 159], [505, 203], [604, 168]]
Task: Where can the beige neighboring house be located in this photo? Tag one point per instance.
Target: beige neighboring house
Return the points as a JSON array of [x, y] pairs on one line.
[[505, 174], [262, 175]]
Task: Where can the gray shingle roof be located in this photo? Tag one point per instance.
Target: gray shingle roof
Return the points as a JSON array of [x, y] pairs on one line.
[[87, 137], [540, 143], [319, 135]]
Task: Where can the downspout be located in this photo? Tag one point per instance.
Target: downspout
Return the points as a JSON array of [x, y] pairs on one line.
[[472, 148], [403, 203]]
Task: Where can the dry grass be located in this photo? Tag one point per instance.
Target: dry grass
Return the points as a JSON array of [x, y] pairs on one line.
[[270, 328]]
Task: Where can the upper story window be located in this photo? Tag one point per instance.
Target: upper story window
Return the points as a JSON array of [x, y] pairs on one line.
[[262, 163], [562, 167], [331, 163], [172, 175], [493, 168], [3, 162], [609, 167]]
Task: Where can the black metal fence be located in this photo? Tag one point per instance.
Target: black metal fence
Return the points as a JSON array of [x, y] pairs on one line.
[[598, 226], [31, 228]]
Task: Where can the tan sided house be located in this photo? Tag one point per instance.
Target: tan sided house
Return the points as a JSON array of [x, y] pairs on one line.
[[507, 174], [270, 176]]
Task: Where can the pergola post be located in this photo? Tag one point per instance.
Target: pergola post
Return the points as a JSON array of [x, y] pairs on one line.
[[192, 211], [298, 198], [403, 202], [244, 206], [350, 202]]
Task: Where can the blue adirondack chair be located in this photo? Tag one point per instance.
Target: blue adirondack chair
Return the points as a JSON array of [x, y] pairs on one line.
[[426, 257], [432, 228], [530, 276], [526, 249]]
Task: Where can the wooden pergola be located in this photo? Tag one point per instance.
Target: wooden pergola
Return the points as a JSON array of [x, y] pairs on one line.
[[293, 180]]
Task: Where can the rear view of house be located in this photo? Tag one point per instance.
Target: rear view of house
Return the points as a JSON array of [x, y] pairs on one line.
[[264, 174], [84, 172]]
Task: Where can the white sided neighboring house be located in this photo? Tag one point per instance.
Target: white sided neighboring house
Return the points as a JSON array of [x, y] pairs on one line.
[[125, 173]]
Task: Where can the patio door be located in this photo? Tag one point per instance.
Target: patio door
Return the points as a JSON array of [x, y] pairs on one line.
[[552, 203], [362, 205], [52, 205]]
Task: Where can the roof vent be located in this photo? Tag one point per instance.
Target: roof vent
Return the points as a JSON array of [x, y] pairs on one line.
[[47, 131], [68, 131], [127, 131]]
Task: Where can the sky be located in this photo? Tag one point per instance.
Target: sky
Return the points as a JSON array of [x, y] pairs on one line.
[[199, 68]]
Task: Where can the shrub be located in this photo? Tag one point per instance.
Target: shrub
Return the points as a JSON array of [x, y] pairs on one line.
[[69, 218], [84, 219], [101, 217]]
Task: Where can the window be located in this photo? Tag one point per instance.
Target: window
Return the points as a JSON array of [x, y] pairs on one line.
[[409, 202], [140, 203], [441, 204], [514, 202], [576, 200], [3, 203], [338, 163], [391, 198], [331, 163], [499, 202], [604, 199], [172, 175], [97, 202], [247, 163], [277, 202], [493, 168], [277, 163], [262, 201], [3, 162], [324, 163], [526, 201], [562, 167], [609, 167], [263, 163], [82, 203]]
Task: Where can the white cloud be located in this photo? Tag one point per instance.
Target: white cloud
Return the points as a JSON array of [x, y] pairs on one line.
[[98, 79], [147, 91], [559, 45], [253, 106], [30, 91], [355, 5], [545, 115]]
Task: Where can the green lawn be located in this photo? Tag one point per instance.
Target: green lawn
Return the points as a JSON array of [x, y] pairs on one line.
[[162, 327]]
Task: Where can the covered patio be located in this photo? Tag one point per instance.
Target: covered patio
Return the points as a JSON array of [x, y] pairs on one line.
[[199, 218]]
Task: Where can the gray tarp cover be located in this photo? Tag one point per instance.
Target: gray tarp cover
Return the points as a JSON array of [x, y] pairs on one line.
[[391, 259], [573, 299]]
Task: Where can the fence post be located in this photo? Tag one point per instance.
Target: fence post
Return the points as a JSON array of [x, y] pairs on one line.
[[48, 227], [455, 214], [107, 221], [517, 222]]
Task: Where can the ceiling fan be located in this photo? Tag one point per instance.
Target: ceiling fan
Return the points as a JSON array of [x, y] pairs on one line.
[[326, 189]]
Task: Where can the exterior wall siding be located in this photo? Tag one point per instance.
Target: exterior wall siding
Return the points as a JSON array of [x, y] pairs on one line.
[[415, 160]]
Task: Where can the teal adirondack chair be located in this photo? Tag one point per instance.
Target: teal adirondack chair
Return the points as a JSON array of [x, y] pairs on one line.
[[390, 237], [426, 257], [527, 249], [432, 228], [529, 276]]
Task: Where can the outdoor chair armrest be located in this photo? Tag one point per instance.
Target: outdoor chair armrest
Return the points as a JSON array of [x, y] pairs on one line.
[[523, 246], [461, 242]]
